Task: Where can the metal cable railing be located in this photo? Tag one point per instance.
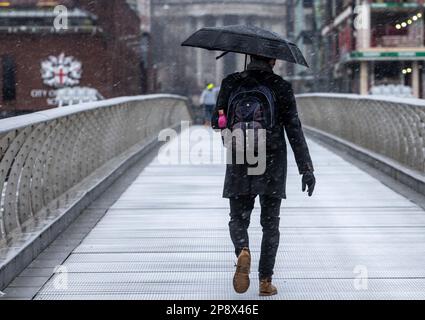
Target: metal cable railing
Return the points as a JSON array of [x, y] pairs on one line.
[[45, 154], [391, 127]]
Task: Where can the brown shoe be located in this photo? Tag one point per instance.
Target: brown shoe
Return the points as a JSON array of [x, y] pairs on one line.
[[243, 268], [266, 287]]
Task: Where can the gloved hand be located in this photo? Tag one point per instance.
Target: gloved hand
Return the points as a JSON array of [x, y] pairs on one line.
[[310, 181]]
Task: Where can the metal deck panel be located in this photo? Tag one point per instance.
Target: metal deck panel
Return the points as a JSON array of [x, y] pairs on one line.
[[167, 238]]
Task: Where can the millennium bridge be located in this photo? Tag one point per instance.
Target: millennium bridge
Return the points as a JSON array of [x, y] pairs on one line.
[[121, 199]]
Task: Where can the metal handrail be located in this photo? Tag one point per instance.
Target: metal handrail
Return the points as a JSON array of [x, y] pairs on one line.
[[45, 154], [391, 127]]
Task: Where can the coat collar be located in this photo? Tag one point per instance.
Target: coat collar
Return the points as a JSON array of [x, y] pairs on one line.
[[260, 65]]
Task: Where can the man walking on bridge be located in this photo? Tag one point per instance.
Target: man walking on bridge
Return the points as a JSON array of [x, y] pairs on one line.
[[242, 188]]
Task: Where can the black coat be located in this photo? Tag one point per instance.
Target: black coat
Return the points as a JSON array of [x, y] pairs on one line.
[[273, 181]]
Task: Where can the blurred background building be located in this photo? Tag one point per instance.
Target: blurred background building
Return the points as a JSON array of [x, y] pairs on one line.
[[363, 46], [105, 48], [128, 47], [174, 20], [302, 30]]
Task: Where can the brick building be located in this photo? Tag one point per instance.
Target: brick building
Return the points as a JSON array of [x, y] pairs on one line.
[[102, 48]]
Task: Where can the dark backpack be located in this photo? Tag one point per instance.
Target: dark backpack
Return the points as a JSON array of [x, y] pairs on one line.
[[251, 108]]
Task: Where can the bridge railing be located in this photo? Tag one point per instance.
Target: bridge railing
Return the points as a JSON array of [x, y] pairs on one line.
[[44, 156], [390, 127]]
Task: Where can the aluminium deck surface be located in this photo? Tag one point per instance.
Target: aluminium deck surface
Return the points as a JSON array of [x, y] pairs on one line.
[[167, 238]]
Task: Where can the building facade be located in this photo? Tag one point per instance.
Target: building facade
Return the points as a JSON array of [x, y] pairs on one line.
[[101, 48], [373, 46], [304, 32], [187, 70]]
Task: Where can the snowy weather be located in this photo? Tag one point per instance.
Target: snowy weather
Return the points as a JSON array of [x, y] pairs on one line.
[[202, 150]]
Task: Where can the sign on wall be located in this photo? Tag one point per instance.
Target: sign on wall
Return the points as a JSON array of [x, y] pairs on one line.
[[61, 71], [63, 74]]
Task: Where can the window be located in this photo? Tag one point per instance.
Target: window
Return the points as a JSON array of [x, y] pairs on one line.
[[9, 78]]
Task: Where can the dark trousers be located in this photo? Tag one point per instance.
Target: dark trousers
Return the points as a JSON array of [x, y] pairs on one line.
[[208, 108], [240, 214]]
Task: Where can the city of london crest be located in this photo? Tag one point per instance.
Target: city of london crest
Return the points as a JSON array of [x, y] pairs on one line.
[[61, 71]]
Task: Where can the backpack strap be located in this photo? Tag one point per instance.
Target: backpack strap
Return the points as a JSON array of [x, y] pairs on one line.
[[270, 84]]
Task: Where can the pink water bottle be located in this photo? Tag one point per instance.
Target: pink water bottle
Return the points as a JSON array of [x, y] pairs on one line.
[[222, 120]]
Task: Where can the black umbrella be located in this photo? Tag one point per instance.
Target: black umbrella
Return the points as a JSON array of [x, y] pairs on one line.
[[247, 40]]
